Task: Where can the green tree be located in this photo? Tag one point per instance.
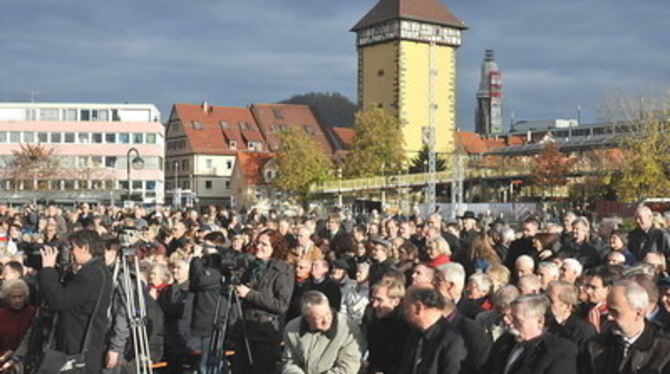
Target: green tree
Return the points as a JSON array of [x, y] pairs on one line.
[[419, 164], [378, 146], [645, 165], [300, 163]]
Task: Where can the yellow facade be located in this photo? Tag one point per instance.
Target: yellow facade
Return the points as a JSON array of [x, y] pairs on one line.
[[395, 75]]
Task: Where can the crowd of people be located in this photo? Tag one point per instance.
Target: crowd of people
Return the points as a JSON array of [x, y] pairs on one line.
[[333, 294]]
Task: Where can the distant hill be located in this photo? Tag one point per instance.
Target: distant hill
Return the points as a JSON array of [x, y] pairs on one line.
[[331, 109]]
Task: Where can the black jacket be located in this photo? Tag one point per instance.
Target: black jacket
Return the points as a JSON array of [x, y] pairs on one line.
[[468, 308], [650, 353], [386, 342], [265, 306], [575, 329], [655, 240], [205, 283], [74, 302], [177, 305], [519, 247], [328, 287], [377, 270], [477, 342], [442, 350], [545, 354], [586, 253]]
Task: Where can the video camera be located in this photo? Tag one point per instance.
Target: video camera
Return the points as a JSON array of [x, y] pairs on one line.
[[33, 254], [232, 264]]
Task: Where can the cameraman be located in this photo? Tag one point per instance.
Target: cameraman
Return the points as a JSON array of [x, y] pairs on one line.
[[266, 291], [75, 300]]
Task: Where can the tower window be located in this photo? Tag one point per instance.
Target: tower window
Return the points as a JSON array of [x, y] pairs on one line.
[[380, 106], [380, 73]]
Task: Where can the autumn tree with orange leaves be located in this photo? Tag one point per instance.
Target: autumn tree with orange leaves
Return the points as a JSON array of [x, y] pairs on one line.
[[551, 167], [34, 164]]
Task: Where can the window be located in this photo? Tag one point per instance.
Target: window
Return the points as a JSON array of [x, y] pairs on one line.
[[56, 137], [84, 137], [3, 137], [227, 185], [124, 138], [29, 137], [244, 126], [115, 115], [69, 114], [101, 115], [123, 185], [137, 185], [69, 137], [96, 138], [82, 161], [309, 130], [150, 138], [232, 144], [283, 128], [208, 185], [197, 125], [48, 114], [184, 164], [255, 146], [138, 138], [150, 185], [185, 185], [96, 161], [42, 137], [14, 137], [84, 115], [273, 128], [278, 113], [380, 73], [209, 163], [110, 138], [229, 164], [224, 125], [110, 162]]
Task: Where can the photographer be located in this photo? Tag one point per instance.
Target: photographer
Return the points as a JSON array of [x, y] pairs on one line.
[[75, 300], [266, 292]]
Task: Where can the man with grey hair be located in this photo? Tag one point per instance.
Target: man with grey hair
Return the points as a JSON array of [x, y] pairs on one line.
[[524, 265], [566, 235], [454, 283], [563, 297], [570, 270], [633, 345], [321, 340], [499, 319], [546, 272], [645, 238], [529, 285], [581, 247], [527, 347]]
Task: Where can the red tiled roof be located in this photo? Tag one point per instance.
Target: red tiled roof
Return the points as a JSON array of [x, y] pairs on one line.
[[344, 136], [272, 117], [432, 11], [473, 143], [251, 166], [216, 126]]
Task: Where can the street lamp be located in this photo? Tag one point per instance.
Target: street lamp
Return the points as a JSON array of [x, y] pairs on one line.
[[138, 163], [339, 191]]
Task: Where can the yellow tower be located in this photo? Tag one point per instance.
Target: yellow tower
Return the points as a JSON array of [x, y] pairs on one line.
[[399, 43]]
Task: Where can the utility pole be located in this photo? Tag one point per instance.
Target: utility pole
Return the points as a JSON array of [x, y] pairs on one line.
[[429, 131]]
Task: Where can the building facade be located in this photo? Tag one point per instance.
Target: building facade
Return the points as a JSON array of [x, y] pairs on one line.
[[407, 63], [488, 118], [87, 147]]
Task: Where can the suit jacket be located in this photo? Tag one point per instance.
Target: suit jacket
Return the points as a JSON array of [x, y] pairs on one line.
[[654, 240], [468, 308], [546, 354], [477, 342], [386, 342], [442, 350], [648, 354], [575, 329]]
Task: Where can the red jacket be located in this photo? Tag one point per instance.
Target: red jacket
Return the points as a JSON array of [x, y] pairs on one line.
[[13, 325]]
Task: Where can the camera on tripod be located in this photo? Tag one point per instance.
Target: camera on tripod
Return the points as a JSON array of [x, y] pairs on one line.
[[33, 254], [232, 264]]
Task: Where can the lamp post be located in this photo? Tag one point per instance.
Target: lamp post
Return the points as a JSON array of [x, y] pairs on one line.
[[138, 163], [339, 192]]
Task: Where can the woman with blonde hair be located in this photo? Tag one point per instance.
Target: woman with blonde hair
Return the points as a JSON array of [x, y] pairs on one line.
[[438, 251]]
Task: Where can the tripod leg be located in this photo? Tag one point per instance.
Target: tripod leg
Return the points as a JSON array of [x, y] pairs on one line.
[[247, 346]]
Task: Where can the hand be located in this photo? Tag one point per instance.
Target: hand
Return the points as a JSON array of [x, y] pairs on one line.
[[112, 359], [153, 293], [545, 254], [242, 290], [49, 255], [197, 250]]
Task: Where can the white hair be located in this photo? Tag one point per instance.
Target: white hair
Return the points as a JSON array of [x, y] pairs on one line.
[[504, 296], [525, 259], [11, 285], [483, 282], [529, 282], [614, 255], [453, 272], [312, 298], [574, 265], [583, 221], [552, 266], [636, 296], [536, 305], [508, 234], [643, 209]]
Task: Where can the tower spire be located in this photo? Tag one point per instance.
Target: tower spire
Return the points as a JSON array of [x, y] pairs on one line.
[[488, 119]]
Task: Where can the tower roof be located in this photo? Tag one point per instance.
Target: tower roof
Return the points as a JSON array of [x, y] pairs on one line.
[[432, 11]]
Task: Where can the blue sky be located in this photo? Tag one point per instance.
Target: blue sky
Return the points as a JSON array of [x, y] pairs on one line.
[[554, 54]]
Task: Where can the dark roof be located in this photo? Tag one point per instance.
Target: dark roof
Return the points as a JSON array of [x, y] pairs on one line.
[[432, 11]]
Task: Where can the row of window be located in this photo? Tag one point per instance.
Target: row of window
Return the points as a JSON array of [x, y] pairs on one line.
[[28, 137], [97, 162], [187, 184], [183, 165], [76, 184]]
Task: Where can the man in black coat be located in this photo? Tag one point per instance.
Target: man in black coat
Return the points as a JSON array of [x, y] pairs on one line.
[[477, 341], [387, 329], [75, 301], [563, 322], [524, 245], [320, 281], [528, 349], [645, 238], [633, 345], [580, 247], [434, 346]]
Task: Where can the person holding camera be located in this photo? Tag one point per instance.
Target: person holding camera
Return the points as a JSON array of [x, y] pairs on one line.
[[265, 291], [75, 301]]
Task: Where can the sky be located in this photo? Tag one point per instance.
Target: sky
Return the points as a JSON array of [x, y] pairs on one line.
[[554, 55]]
